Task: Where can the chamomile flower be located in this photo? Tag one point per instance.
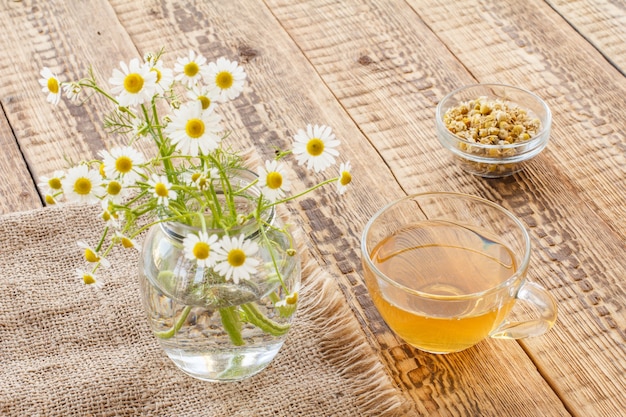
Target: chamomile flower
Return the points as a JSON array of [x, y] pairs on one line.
[[50, 199], [194, 130], [164, 76], [127, 242], [201, 248], [315, 147], [81, 184], [91, 255], [53, 183], [234, 258], [291, 299], [202, 94], [344, 177], [72, 91], [225, 79], [114, 191], [189, 69], [134, 85], [123, 163], [162, 189], [273, 181], [89, 278], [51, 85], [201, 179]]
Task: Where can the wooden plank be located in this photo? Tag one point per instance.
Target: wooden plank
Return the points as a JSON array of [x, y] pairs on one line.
[[575, 215], [67, 37], [601, 22], [285, 93], [16, 185]]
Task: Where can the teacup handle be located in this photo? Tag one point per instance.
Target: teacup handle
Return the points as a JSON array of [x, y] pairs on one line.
[[538, 296]]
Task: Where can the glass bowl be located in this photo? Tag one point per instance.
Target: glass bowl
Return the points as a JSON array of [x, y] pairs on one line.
[[493, 129]]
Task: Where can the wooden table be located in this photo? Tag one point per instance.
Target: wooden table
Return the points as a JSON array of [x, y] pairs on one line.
[[375, 70]]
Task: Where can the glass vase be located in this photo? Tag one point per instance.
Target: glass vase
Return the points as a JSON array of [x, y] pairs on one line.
[[215, 329]]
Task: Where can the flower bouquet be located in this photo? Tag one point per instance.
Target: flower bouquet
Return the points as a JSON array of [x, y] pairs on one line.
[[219, 271]]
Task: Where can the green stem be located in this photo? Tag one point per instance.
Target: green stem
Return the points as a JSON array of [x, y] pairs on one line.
[[232, 325], [176, 327], [254, 316]]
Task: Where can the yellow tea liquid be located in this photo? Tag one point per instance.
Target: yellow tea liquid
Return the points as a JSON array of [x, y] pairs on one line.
[[442, 259]]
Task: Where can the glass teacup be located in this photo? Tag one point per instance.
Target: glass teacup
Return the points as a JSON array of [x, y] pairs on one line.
[[445, 270]]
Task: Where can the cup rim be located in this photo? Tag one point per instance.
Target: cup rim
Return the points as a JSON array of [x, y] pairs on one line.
[[504, 284]]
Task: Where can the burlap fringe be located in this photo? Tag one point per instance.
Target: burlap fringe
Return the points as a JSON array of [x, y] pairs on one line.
[[344, 345]]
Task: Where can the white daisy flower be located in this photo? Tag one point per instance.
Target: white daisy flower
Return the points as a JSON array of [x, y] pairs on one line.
[[273, 180], [114, 191], [81, 184], [189, 69], [162, 189], [291, 299], [91, 255], [51, 85], [315, 147], [203, 94], [72, 91], [234, 258], [89, 278], [201, 248], [201, 179], [225, 79], [194, 130], [134, 85], [123, 163], [53, 183], [110, 215], [127, 242], [344, 177], [50, 199], [164, 76]]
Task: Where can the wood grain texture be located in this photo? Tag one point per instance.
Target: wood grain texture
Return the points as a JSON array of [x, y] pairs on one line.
[[375, 70], [285, 93], [601, 22], [16, 185], [67, 37], [571, 197]]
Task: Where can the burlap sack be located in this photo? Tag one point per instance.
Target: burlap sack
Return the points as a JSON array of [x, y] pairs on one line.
[[67, 349]]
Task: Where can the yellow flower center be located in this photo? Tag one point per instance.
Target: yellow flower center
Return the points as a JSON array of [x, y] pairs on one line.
[[89, 279], [114, 188], [106, 216], [224, 80], [91, 256], [161, 190], [191, 69], [194, 128], [315, 147], [82, 186], [53, 85], [345, 178], [50, 199], [158, 74], [123, 164], [292, 298], [274, 180], [127, 243], [236, 257], [133, 83], [54, 183], [201, 250], [101, 171], [206, 102]]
